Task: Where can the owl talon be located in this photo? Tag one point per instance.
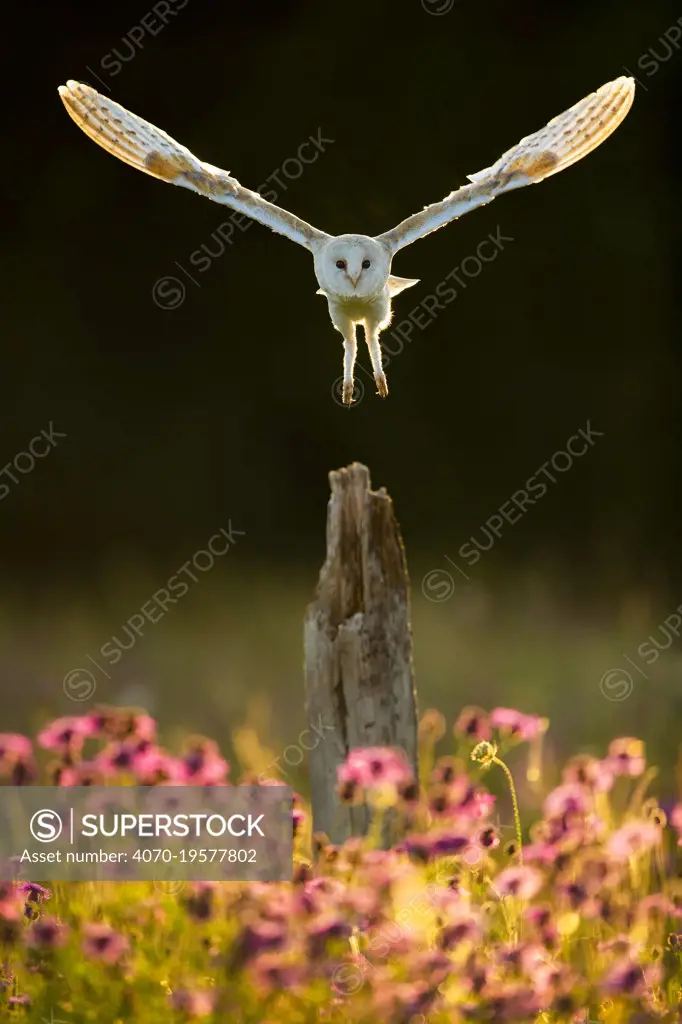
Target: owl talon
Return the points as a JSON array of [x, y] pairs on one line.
[[382, 385], [348, 389]]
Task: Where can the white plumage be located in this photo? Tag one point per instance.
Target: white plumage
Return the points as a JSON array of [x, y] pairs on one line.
[[354, 271]]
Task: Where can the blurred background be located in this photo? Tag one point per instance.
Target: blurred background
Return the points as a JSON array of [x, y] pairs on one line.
[[186, 382]]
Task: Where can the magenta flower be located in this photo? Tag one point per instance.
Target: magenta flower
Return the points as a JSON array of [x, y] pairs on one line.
[[419, 847], [540, 915], [16, 759], [447, 844], [517, 725], [431, 726], [515, 1001], [260, 936], [202, 764], [155, 767], [369, 767], [11, 901], [123, 723], [142, 726], [571, 798], [487, 838], [473, 724], [629, 978], [633, 838], [47, 933], [134, 757], [462, 925], [519, 881], [13, 747], [102, 943], [626, 757], [403, 1001], [66, 735], [277, 972], [541, 853], [34, 894], [589, 771], [658, 906]]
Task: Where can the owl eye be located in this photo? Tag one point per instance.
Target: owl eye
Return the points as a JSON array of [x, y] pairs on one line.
[[366, 264], [341, 264]]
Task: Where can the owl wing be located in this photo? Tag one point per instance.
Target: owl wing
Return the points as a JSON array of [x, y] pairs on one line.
[[567, 138], [140, 144]]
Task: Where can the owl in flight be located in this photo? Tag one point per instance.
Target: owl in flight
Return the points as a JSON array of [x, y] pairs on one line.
[[354, 271]]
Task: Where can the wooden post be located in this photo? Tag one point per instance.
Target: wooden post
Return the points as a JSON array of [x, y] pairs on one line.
[[358, 645]]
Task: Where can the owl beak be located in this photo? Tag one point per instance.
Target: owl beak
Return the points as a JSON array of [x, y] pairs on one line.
[[354, 279]]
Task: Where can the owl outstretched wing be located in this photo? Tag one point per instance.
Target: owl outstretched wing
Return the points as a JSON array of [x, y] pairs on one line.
[[567, 138], [142, 145]]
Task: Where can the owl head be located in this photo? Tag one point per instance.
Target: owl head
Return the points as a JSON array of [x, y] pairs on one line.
[[352, 267]]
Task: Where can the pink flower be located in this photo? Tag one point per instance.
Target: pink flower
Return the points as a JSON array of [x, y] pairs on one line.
[[67, 734], [369, 767], [473, 724], [137, 757], [633, 838], [431, 726], [16, 758], [202, 764], [540, 853], [261, 935], [101, 942], [14, 746], [124, 723], [626, 757], [521, 882], [629, 978], [571, 798], [462, 925], [277, 972], [47, 933], [589, 771], [514, 723], [11, 901], [658, 905]]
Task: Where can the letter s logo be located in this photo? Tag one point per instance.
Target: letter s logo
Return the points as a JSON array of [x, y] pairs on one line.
[[46, 826]]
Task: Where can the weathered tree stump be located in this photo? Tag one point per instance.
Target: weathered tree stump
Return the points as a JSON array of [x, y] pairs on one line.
[[358, 646]]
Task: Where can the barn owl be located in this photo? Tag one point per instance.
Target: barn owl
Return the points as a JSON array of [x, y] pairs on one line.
[[354, 271]]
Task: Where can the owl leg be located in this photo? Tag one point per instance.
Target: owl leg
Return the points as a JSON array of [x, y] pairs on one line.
[[346, 327], [350, 351], [372, 338]]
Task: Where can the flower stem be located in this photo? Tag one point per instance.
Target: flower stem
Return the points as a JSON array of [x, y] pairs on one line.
[[515, 805]]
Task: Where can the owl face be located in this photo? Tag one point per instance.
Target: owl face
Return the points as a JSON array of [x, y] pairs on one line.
[[352, 267]]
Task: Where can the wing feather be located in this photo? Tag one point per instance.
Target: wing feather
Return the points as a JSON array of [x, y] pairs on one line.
[[147, 148], [564, 140]]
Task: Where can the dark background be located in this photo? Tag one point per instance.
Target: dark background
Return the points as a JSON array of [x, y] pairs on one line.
[[180, 419]]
